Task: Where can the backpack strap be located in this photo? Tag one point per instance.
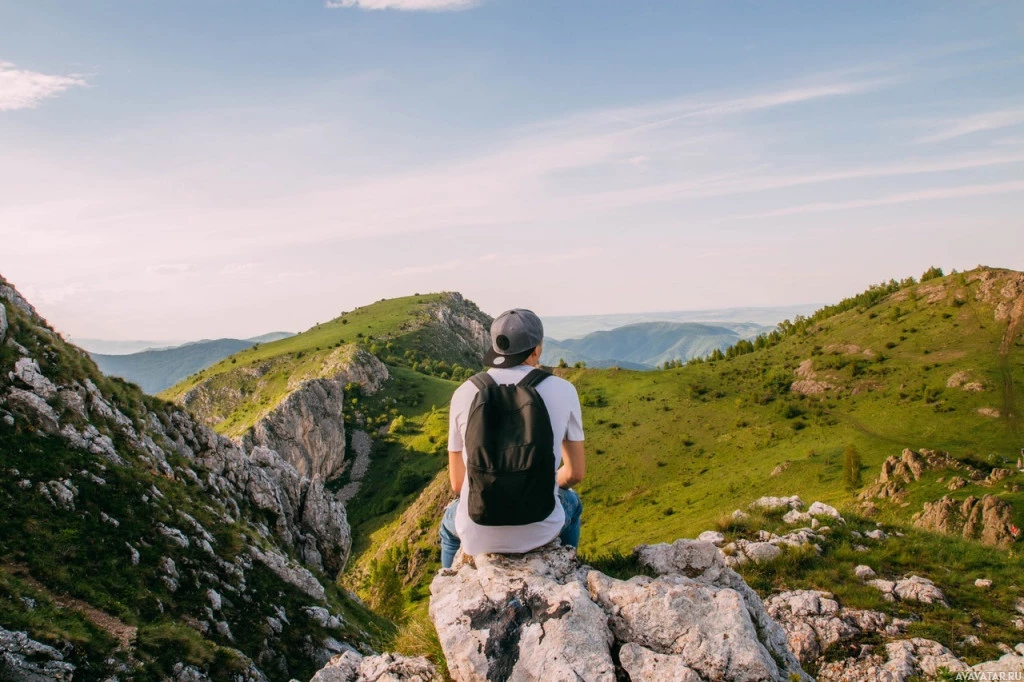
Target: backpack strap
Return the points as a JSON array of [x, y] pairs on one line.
[[533, 378], [482, 380]]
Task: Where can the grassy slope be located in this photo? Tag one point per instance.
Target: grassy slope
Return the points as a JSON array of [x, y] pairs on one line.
[[249, 384], [671, 451], [74, 553]]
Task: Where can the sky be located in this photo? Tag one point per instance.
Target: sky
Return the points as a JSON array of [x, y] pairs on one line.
[[196, 169]]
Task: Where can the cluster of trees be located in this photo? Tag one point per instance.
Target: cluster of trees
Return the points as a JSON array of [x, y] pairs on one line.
[[562, 364]]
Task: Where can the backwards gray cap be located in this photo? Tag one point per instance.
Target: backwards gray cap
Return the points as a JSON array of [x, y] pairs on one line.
[[514, 335]]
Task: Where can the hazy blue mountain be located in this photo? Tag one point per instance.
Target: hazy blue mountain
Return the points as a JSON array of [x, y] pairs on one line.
[[272, 336], [557, 350], [118, 347], [578, 326], [155, 370], [645, 345]]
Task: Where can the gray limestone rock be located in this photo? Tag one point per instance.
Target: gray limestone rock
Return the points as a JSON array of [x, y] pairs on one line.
[[26, 371], [541, 616], [772, 503], [290, 573], [644, 665], [23, 659], [814, 621], [351, 666], [916, 588], [33, 408], [524, 617], [903, 660]]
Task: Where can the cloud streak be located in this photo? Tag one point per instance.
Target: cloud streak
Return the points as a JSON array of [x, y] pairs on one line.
[[23, 89], [934, 194], [977, 123], [405, 5]]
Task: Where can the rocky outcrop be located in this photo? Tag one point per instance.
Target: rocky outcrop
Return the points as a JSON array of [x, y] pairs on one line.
[[964, 381], [306, 516], [22, 659], [913, 588], [903, 660], [542, 615], [989, 519], [307, 428], [814, 621], [469, 325], [354, 667], [898, 472]]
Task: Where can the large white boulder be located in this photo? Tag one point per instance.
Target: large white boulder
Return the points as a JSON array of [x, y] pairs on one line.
[[542, 616]]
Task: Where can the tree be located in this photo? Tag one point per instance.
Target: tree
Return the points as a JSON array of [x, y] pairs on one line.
[[851, 468], [562, 364], [382, 586]]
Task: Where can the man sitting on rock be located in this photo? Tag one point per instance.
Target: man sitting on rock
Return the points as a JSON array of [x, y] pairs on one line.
[[515, 449]]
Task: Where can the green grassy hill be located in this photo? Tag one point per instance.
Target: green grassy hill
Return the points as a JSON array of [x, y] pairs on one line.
[[430, 334], [671, 451]]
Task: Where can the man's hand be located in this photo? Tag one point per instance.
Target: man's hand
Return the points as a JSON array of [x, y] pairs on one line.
[[574, 464], [456, 471]]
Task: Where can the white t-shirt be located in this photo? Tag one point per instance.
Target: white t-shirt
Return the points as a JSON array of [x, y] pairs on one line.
[[563, 405]]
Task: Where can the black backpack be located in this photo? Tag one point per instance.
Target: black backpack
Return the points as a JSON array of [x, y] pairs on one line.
[[510, 454]]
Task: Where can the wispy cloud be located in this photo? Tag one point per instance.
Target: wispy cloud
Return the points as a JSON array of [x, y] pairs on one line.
[[171, 268], [405, 5], [933, 194], [23, 89], [446, 266], [977, 123]]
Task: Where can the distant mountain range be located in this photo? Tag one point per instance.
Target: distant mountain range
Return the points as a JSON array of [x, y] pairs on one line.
[[577, 326], [647, 345], [157, 369]]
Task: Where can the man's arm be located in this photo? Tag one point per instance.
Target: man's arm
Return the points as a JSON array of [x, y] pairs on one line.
[[574, 464], [456, 471]]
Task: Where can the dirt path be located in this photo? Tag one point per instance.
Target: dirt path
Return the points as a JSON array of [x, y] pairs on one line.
[[118, 629]]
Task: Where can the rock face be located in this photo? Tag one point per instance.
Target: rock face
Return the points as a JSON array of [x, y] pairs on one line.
[[23, 659], [989, 519], [307, 428], [469, 326], [542, 615]]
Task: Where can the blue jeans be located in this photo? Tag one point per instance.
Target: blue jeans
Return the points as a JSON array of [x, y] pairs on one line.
[[570, 534]]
